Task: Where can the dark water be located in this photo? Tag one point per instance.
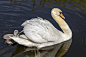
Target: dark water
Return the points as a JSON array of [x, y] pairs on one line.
[[14, 12]]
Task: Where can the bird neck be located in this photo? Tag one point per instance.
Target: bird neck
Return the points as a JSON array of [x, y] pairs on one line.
[[63, 25]]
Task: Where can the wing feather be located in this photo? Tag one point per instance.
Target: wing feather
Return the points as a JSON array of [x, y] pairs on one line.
[[39, 30]]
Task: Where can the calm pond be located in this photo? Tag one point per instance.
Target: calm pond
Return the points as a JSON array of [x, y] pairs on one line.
[[14, 12]]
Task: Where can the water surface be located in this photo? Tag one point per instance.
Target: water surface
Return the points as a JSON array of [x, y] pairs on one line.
[[14, 12]]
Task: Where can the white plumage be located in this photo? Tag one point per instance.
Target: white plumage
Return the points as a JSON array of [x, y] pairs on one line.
[[42, 33], [39, 30]]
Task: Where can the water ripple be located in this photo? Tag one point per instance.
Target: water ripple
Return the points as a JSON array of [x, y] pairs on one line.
[[14, 12]]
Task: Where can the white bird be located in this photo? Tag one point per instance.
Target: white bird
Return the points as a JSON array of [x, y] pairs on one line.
[[8, 39], [42, 33]]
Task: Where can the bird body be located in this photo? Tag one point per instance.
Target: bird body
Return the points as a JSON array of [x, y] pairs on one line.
[[41, 33]]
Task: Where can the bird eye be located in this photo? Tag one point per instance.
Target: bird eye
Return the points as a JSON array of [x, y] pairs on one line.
[[61, 12]]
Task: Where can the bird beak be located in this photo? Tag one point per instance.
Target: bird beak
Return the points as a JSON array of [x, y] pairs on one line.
[[62, 16]]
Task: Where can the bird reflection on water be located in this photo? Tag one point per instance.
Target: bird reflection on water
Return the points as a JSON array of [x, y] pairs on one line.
[[57, 50]]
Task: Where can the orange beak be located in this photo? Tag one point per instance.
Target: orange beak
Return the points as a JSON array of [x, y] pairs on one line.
[[62, 15]]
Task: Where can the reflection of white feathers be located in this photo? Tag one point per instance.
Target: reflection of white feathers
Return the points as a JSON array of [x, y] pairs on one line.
[[41, 33]]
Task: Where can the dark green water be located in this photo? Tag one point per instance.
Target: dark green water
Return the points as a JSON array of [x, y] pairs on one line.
[[14, 12]]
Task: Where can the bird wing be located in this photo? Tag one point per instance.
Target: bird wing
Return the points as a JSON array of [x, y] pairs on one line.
[[39, 30]]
